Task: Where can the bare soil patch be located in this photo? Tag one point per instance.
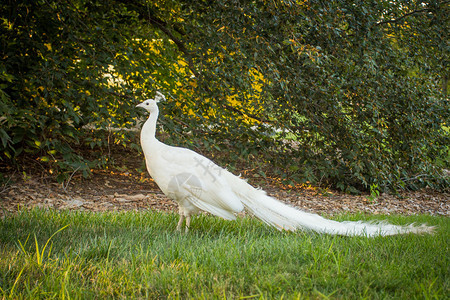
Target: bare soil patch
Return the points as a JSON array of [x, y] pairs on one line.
[[127, 186]]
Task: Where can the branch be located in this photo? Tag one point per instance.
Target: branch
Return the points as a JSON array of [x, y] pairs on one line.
[[414, 12], [236, 110], [161, 25], [144, 13], [164, 27]]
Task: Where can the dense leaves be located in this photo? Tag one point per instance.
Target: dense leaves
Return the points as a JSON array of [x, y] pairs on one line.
[[350, 94], [68, 67]]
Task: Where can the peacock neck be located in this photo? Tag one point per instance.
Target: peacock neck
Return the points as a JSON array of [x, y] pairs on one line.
[[148, 131]]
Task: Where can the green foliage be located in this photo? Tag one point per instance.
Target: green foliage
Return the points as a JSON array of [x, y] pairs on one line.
[[363, 106], [68, 70], [342, 93], [139, 255]]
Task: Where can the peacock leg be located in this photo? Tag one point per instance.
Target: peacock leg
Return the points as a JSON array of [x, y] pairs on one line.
[[180, 222], [188, 223]]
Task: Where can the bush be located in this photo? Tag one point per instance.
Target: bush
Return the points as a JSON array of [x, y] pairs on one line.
[[352, 96]]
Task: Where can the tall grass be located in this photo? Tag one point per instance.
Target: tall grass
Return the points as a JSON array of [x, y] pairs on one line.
[[139, 255]]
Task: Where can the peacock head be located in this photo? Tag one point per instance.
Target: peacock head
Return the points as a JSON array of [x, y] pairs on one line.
[[150, 104]]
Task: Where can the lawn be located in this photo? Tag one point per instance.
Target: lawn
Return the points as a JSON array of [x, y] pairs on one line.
[[84, 255]]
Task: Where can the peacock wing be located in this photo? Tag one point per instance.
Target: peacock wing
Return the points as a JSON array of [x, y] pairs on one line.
[[195, 177]]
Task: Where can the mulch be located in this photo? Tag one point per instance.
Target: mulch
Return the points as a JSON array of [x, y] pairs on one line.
[[113, 190]]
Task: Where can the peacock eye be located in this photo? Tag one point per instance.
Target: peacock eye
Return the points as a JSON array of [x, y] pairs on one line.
[[146, 103]]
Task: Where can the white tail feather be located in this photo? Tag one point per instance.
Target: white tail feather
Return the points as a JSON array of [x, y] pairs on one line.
[[284, 217]]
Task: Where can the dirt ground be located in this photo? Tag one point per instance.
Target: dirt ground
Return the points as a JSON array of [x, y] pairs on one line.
[[131, 188]]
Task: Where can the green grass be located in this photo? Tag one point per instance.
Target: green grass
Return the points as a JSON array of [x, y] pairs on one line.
[[139, 255]]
